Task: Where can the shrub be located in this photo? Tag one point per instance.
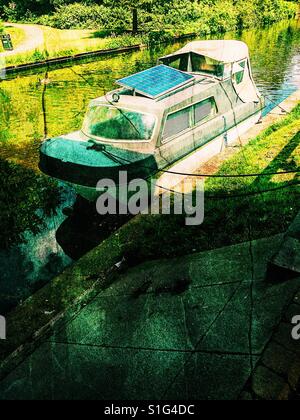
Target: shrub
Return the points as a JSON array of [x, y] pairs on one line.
[[247, 14], [160, 36], [12, 12], [201, 16], [83, 16], [38, 56], [78, 16], [223, 18], [275, 10], [47, 20], [124, 40]]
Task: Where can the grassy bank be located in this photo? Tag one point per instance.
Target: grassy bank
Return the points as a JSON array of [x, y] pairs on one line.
[[230, 220], [236, 209], [61, 43]]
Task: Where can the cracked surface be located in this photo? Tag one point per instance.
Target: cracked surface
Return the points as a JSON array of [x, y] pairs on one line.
[[163, 343]]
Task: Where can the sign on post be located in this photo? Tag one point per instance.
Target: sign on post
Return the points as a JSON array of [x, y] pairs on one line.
[[7, 42]]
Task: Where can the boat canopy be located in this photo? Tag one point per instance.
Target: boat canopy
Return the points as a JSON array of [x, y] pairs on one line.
[[221, 51]]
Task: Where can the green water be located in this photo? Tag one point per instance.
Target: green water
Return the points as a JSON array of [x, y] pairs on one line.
[[29, 111], [275, 63]]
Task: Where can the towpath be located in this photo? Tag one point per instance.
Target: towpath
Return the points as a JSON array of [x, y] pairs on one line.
[[34, 38], [186, 328]]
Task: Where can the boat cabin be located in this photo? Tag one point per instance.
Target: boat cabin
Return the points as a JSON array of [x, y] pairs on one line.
[[185, 90], [221, 59]]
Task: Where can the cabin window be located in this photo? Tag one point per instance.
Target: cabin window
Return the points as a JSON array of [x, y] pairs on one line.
[[201, 64], [177, 122], [112, 123], [239, 72], [181, 121], [205, 110], [178, 62]]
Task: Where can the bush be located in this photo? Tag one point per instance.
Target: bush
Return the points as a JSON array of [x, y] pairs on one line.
[[223, 17], [125, 40], [247, 14], [79, 16], [83, 16], [160, 36], [12, 12], [200, 16], [46, 20], [38, 56], [275, 10]]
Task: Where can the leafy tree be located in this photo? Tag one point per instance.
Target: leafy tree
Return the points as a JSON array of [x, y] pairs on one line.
[[135, 7], [159, 13]]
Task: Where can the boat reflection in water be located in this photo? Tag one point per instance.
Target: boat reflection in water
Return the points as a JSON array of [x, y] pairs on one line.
[[84, 228]]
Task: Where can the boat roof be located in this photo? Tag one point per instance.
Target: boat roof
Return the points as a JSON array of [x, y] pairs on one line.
[[144, 103], [224, 51], [160, 80], [156, 81]]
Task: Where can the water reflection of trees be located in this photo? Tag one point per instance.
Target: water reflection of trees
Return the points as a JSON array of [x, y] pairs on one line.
[[26, 199], [272, 50]]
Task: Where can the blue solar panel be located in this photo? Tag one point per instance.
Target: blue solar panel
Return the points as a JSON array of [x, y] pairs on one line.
[[156, 81]]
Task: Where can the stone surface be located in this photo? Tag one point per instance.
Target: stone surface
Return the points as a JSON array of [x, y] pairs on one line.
[[292, 311], [283, 362], [288, 256], [266, 384], [270, 302], [284, 337], [210, 377], [297, 298], [190, 328], [59, 371]]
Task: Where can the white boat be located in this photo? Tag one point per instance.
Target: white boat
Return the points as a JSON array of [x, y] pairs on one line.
[[176, 116]]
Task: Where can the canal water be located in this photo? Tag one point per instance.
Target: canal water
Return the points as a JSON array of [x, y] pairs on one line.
[[31, 209]]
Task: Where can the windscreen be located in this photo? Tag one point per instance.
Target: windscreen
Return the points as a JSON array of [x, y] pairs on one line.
[[112, 123]]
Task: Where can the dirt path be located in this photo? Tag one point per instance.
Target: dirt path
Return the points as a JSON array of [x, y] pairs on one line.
[[34, 37]]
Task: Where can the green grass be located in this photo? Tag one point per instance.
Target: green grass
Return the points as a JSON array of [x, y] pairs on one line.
[[60, 43], [17, 36], [231, 220], [275, 150]]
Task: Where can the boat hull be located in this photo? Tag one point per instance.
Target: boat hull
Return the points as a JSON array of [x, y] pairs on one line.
[[189, 164]]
